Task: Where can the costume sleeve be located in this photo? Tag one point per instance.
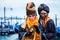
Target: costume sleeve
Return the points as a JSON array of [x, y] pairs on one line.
[[50, 31], [37, 29], [21, 32]]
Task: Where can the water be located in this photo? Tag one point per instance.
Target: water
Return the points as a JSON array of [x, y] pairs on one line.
[[9, 37], [15, 37], [57, 38]]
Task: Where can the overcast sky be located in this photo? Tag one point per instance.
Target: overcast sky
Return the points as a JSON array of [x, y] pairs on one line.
[[19, 7]]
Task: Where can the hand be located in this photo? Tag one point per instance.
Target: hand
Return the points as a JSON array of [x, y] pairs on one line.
[[37, 29], [23, 25]]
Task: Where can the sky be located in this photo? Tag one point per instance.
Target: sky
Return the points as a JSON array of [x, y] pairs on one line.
[[19, 7]]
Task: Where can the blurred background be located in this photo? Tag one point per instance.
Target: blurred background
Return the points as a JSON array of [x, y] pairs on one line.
[[13, 13]]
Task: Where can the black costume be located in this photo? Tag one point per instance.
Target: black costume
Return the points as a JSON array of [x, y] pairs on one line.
[[49, 32]]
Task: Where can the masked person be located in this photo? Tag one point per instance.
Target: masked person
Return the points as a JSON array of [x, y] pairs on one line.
[[30, 26], [46, 24]]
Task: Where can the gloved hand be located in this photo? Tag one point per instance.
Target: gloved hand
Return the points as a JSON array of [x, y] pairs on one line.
[[22, 30], [37, 29], [28, 34]]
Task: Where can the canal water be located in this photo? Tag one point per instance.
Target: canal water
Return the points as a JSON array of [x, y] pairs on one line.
[[15, 37], [9, 37]]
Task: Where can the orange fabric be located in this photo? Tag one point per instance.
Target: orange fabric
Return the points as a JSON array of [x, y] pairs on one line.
[[30, 24], [38, 37], [28, 7], [45, 21]]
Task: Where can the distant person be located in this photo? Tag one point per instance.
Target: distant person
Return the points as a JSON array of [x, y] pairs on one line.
[[29, 29], [46, 24]]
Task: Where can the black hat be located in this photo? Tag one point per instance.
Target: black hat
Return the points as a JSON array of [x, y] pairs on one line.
[[43, 7], [30, 8]]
